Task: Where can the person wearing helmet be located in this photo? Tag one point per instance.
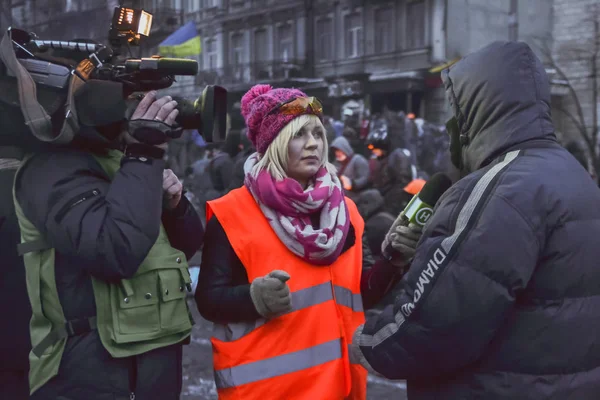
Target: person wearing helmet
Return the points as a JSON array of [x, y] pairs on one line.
[[391, 168]]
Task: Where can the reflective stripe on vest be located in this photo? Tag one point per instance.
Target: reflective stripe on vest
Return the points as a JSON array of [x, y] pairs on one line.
[[301, 299], [304, 351], [280, 365]]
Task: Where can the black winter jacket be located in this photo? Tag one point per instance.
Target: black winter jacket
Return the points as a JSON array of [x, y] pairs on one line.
[[106, 236], [503, 297]]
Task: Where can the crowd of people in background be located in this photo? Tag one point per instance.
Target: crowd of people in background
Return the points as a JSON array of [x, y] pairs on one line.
[[382, 160]]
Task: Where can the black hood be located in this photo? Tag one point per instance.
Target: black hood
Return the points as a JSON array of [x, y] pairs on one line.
[[500, 97]]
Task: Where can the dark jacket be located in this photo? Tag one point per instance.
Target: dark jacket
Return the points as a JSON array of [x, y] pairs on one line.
[[223, 292], [238, 175], [106, 236], [391, 174], [377, 221], [14, 302], [503, 295], [220, 168]]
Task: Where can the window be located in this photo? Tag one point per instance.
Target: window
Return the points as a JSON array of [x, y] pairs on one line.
[[211, 54], [324, 39], [193, 5], [237, 49], [286, 42], [354, 29], [260, 46], [415, 27], [383, 30]]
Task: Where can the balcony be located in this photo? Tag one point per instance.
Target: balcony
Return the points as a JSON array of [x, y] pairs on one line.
[[238, 77], [165, 21], [206, 14]]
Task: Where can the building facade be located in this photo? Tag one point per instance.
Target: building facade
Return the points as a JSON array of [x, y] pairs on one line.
[[59, 19], [378, 51]]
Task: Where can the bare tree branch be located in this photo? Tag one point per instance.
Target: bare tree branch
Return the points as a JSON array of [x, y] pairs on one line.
[[580, 129], [545, 49]]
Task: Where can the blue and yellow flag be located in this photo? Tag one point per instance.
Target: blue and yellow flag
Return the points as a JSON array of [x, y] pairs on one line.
[[184, 42]]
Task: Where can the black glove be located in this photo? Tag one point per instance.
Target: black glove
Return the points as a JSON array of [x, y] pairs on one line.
[[153, 132]]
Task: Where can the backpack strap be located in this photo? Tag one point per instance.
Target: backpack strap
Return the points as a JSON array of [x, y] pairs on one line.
[[70, 328], [30, 247]]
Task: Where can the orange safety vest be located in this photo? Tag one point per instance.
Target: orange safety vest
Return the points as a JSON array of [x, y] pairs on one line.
[[304, 353]]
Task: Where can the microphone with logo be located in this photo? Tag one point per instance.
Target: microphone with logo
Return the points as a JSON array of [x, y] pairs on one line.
[[420, 208]]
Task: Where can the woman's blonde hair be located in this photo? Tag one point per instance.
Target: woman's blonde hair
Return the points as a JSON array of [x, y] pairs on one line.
[[275, 159]]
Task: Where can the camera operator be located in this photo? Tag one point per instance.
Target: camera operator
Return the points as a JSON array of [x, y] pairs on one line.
[[108, 287]]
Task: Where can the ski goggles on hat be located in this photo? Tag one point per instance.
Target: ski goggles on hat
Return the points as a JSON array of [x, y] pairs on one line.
[[299, 106]]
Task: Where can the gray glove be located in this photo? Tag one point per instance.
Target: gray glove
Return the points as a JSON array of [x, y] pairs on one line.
[[403, 240], [271, 294]]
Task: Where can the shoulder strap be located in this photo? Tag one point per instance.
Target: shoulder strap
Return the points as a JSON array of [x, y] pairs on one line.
[[36, 118]]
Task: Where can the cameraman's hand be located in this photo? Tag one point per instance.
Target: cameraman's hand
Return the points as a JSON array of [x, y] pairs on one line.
[[172, 189], [153, 109], [162, 109]]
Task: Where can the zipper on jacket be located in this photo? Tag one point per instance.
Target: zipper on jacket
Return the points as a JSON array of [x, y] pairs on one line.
[[132, 396], [75, 201]]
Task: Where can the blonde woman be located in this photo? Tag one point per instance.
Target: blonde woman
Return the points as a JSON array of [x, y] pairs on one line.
[[281, 272]]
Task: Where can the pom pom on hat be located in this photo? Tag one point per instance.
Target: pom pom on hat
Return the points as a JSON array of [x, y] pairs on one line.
[[252, 94]]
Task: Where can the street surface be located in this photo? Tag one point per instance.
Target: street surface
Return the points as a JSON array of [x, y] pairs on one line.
[[198, 381]]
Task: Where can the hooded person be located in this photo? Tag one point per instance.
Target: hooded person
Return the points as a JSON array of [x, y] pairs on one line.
[[504, 288], [377, 221], [353, 169], [285, 272], [391, 167], [246, 149]]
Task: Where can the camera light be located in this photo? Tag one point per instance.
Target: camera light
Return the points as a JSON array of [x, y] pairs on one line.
[[132, 21], [145, 23]]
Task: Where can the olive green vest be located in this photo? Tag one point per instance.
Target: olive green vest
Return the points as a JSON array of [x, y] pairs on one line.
[[140, 314]]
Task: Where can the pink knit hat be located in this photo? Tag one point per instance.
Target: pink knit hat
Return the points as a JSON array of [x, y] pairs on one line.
[[256, 104]]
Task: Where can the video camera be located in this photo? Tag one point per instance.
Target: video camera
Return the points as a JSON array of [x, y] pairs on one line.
[[63, 86]]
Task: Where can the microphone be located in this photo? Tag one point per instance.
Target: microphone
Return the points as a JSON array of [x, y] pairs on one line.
[[163, 65], [420, 208]]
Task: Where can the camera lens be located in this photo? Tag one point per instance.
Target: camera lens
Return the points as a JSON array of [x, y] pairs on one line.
[[189, 114]]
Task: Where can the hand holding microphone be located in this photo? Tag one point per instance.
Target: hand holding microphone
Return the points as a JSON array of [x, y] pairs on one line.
[[402, 244], [401, 240]]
